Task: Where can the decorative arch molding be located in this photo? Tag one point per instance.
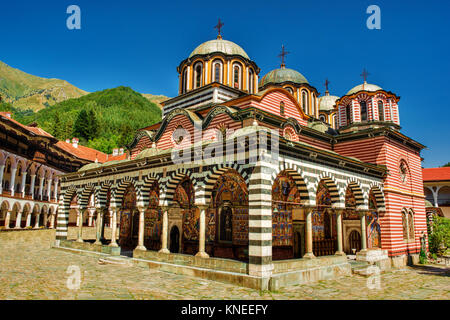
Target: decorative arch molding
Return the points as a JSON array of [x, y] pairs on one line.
[[172, 183], [215, 111], [293, 123], [362, 200], [139, 135], [146, 186], [102, 194], [336, 194], [86, 194], [175, 112], [377, 190], [306, 194], [204, 190], [118, 192]]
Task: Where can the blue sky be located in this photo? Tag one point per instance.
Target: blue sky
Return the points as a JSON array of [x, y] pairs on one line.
[[140, 43]]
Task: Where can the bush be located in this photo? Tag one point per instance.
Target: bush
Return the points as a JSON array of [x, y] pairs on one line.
[[439, 239]]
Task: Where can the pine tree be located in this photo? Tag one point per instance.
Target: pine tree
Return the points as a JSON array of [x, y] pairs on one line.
[[92, 125], [57, 128], [81, 125]]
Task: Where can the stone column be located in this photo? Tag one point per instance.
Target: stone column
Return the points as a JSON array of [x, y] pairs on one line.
[[56, 190], [340, 250], [49, 189], [165, 231], [18, 220], [363, 231], [13, 180], [28, 223], [202, 233], [140, 245], [91, 216], [23, 183], [45, 219], [41, 186], [114, 228], [308, 234], [2, 169], [80, 226], [7, 218], [98, 226], [33, 181], [36, 225], [52, 221]]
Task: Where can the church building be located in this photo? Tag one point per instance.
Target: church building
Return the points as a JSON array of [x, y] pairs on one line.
[[258, 178]]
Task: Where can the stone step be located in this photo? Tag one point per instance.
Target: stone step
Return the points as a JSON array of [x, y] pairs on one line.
[[121, 260]]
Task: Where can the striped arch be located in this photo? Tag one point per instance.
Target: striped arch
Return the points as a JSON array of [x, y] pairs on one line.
[[119, 191], [379, 196], [307, 196], [64, 208], [337, 198], [204, 191], [27, 208], [102, 194], [355, 186], [172, 183], [86, 194], [148, 182]]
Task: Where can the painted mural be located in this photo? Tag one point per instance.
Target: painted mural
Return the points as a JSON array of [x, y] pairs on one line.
[[126, 217], [350, 206], [373, 226], [322, 222], [153, 216]]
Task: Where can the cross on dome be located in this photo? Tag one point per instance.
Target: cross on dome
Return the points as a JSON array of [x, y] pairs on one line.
[[364, 74], [219, 26], [326, 86], [283, 55]]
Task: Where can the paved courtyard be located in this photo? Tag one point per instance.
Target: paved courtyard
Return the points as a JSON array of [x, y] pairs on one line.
[[41, 273]]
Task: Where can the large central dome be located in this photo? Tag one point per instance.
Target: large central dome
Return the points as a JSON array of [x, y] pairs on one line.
[[219, 45], [283, 75]]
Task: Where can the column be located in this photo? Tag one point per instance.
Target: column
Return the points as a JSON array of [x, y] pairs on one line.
[[41, 186], [45, 219], [52, 220], [22, 184], [98, 226], [13, 180], [7, 218], [363, 231], [340, 250], [308, 234], [114, 228], [49, 189], [2, 169], [80, 226], [140, 245], [91, 216], [202, 233], [33, 181], [18, 220], [56, 190], [36, 225], [28, 223], [165, 231]]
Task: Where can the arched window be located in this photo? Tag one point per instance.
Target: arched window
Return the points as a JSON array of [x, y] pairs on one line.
[[289, 90], [405, 224], [403, 170], [251, 81], [380, 111], [363, 105], [335, 121], [305, 102], [313, 108], [348, 114], [237, 76], [184, 81], [282, 108], [198, 75], [322, 118], [217, 71], [411, 224]]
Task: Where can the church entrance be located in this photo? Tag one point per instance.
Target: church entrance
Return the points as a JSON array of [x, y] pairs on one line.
[[354, 240], [129, 220], [299, 248], [174, 240]]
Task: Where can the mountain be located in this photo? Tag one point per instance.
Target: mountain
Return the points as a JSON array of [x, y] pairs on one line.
[[102, 120], [156, 99], [25, 91]]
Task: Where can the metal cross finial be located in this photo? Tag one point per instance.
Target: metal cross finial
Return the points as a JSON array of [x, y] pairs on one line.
[[219, 26], [364, 74], [326, 84], [283, 55]]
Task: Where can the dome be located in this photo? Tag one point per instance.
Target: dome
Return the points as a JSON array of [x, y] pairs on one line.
[[327, 102], [364, 87], [219, 45], [283, 75], [90, 166]]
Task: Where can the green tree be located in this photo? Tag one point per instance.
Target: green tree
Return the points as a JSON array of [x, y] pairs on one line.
[[57, 128], [81, 125], [447, 164], [439, 239]]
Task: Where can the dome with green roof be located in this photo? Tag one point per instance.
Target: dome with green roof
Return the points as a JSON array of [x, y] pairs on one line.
[[90, 166], [327, 102], [364, 87], [219, 45], [283, 75]]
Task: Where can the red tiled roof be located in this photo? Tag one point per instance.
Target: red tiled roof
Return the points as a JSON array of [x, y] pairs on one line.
[[36, 130], [436, 174], [112, 158], [83, 152]]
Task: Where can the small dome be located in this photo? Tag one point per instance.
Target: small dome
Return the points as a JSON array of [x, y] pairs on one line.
[[283, 75], [428, 204], [327, 102], [364, 87], [90, 166], [219, 45]]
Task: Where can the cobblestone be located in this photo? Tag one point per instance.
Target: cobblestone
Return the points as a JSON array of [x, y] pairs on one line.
[[41, 273]]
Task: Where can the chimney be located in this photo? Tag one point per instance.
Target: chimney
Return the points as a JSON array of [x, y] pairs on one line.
[[115, 152], [121, 151], [8, 115], [75, 142], [67, 140]]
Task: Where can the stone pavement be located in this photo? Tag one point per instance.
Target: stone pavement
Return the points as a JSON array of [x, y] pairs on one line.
[[42, 273]]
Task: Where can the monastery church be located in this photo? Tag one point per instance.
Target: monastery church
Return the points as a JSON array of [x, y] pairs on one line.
[[346, 182]]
